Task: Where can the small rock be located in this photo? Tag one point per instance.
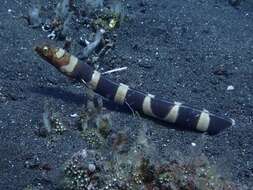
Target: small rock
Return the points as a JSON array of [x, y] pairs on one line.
[[193, 144], [230, 87], [221, 71], [91, 167], [74, 115], [145, 64], [33, 162]]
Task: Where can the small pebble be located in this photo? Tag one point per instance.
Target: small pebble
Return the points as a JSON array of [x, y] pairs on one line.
[[193, 144], [92, 167], [74, 115], [32, 163], [230, 87]]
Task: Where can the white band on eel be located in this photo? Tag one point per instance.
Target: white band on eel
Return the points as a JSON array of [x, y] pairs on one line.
[[121, 93], [69, 68], [173, 114], [146, 106], [203, 122], [60, 53], [95, 79]]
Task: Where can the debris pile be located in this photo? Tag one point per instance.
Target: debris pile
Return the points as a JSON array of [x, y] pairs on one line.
[[52, 123], [80, 172], [89, 24], [121, 162]]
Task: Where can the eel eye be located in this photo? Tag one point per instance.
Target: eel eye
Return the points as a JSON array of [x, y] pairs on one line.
[[45, 49]]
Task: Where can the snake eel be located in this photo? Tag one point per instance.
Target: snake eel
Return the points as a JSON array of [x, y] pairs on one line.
[[172, 112]]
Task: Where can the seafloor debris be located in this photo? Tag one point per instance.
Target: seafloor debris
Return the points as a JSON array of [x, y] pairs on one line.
[[59, 25], [68, 16], [88, 115], [115, 70], [109, 18], [91, 46], [34, 18], [197, 174], [136, 169], [119, 160], [104, 125], [221, 71], [57, 123], [119, 142], [95, 128], [71, 19], [93, 138], [81, 172], [51, 123], [33, 162]]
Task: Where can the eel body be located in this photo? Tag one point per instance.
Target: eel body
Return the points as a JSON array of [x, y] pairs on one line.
[[171, 112]]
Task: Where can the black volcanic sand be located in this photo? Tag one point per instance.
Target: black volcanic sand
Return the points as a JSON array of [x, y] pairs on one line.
[[188, 51]]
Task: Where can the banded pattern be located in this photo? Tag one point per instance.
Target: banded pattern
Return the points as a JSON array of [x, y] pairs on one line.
[[172, 112]]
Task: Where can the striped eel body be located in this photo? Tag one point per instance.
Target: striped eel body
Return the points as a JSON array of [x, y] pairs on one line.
[[172, 112]]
